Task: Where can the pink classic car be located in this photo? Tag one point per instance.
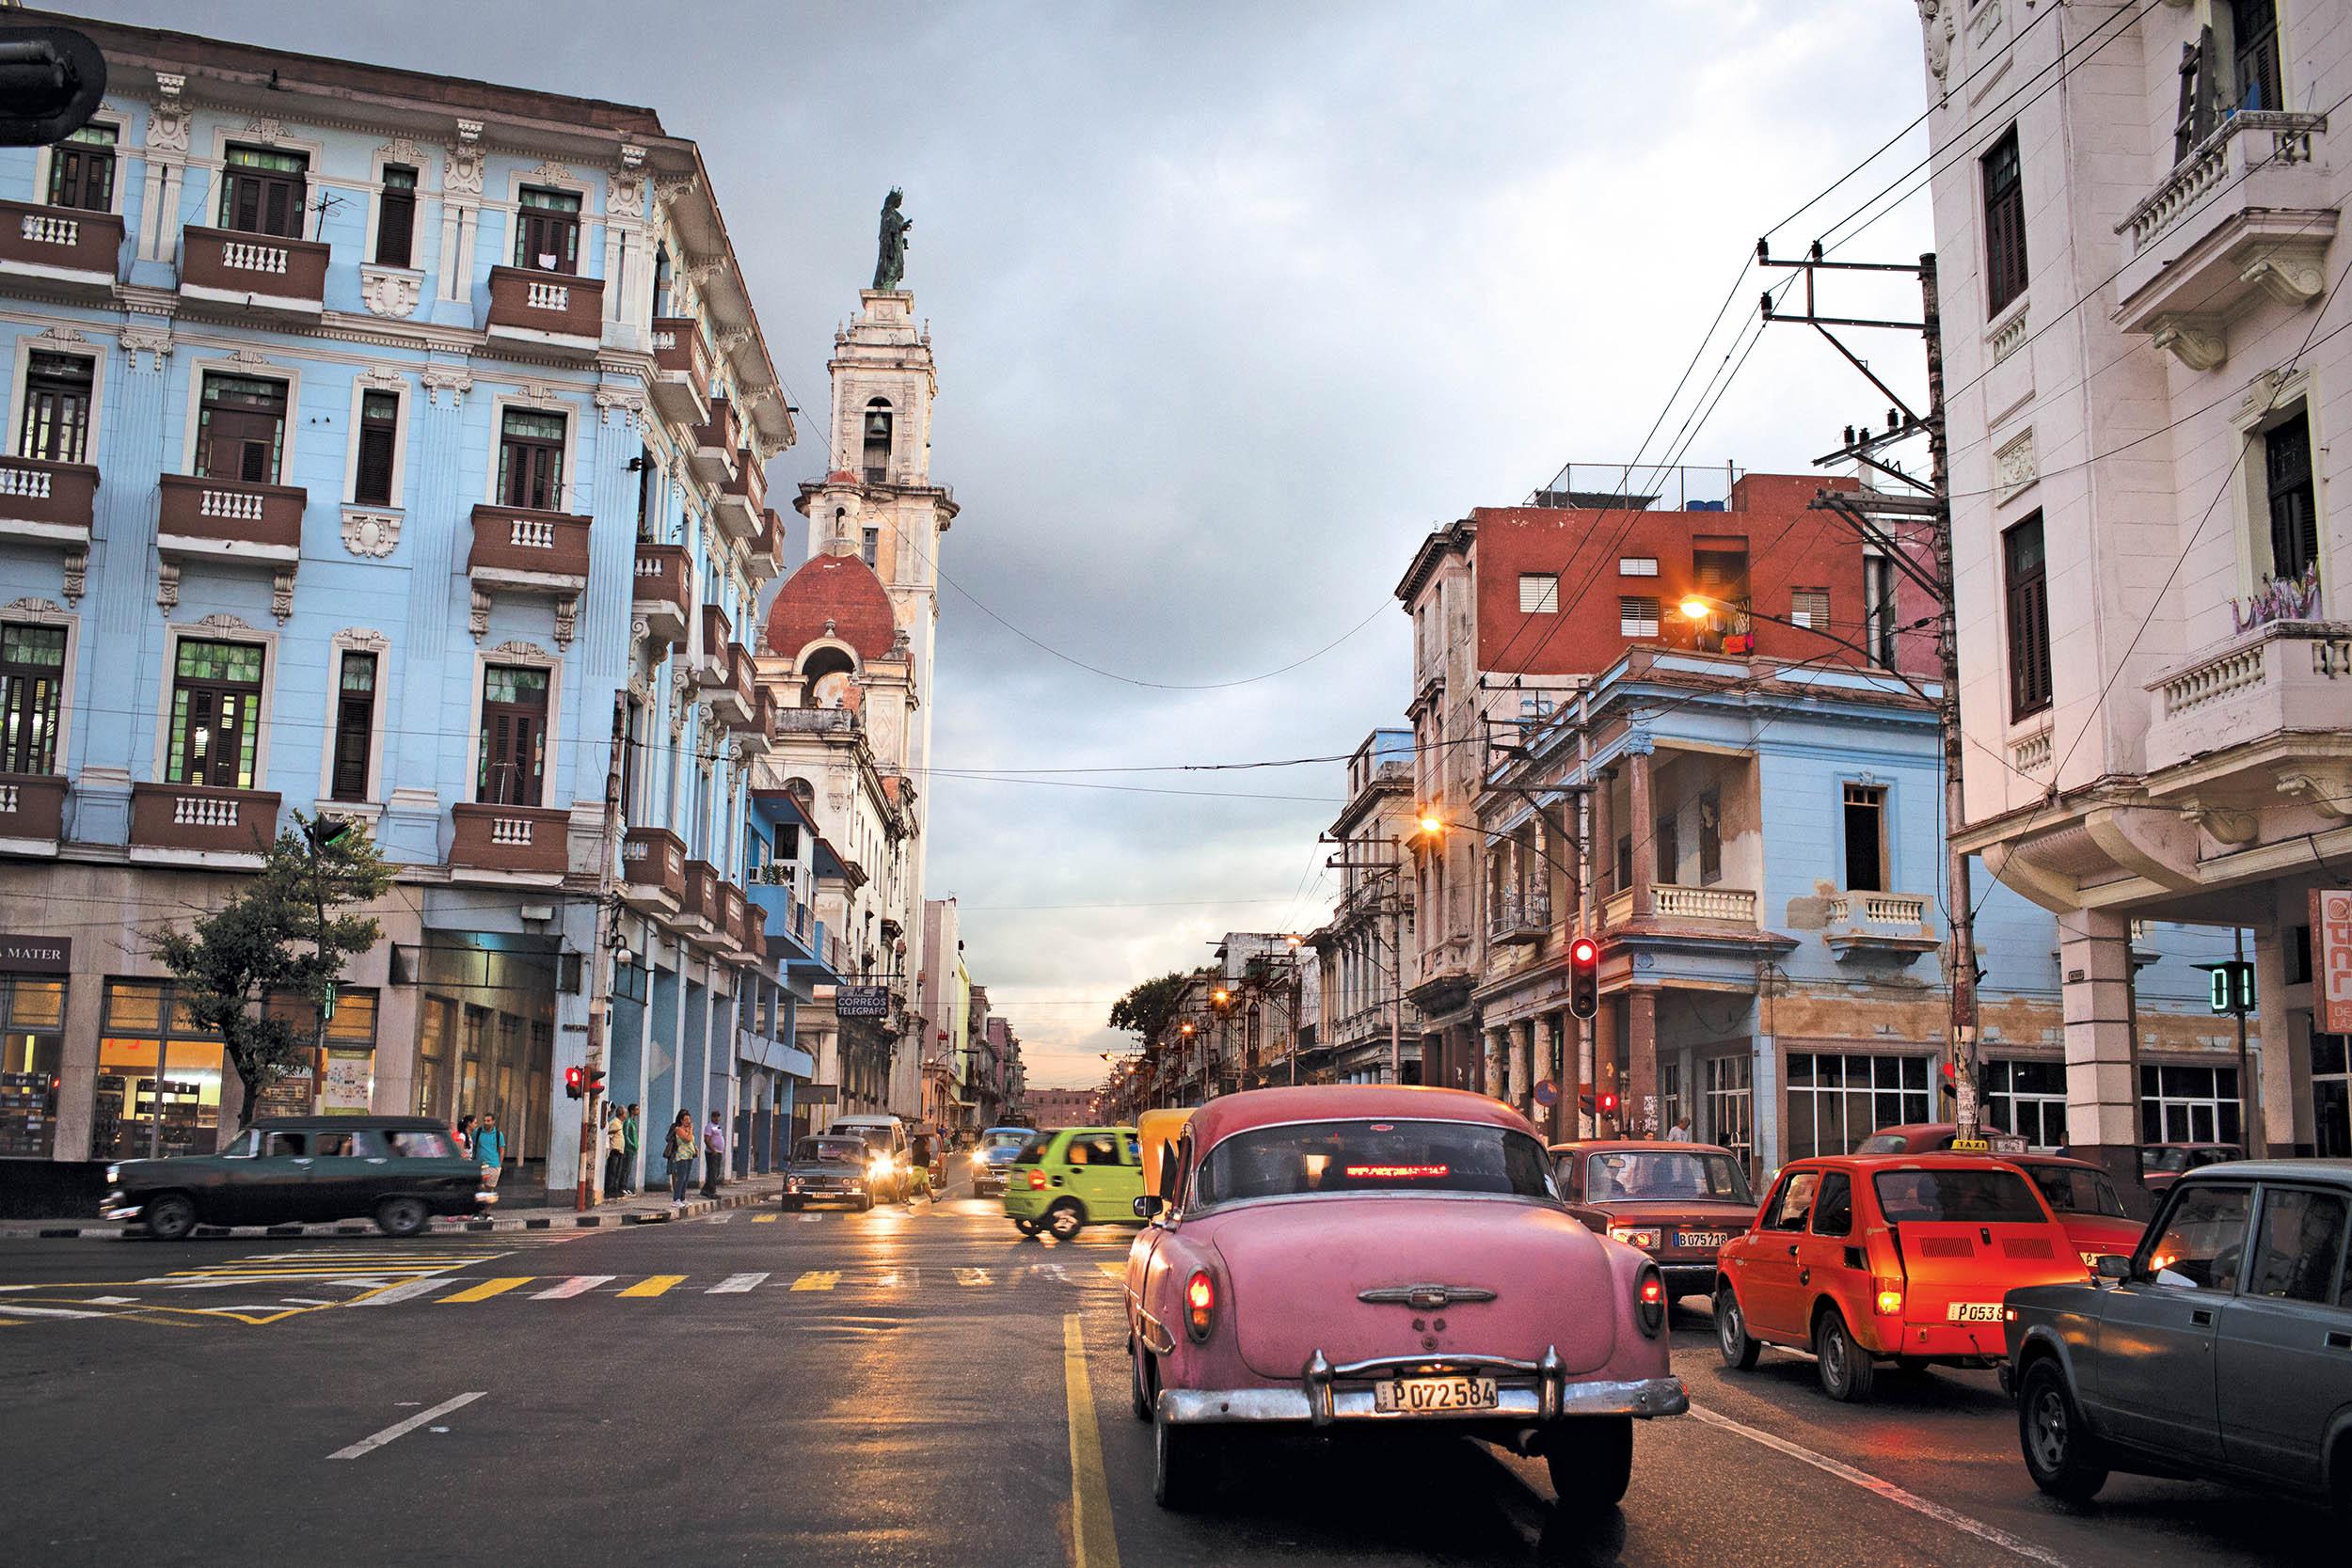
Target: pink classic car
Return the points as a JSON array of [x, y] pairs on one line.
[[1334, 1257]]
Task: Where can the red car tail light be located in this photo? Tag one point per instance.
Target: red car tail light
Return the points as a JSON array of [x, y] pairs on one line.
[[1890, 1294], [1650, 1299], [1037, 1181], [1199, 1304]]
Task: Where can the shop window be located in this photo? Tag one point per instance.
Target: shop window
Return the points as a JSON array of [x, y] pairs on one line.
[[241, 429], [82, 169], [2004, 224], [262, 191], [337, 1074], [2028, 606], [510, 766], [379, 440], [215, 699], [2189, 1104], [1866, 837], [396, 216], [531, 459], [32, 1053], [2027, 1098], [355, 726], [547, 230], [158, 1089], [32, 688], [1836, 1101], [56, 408]]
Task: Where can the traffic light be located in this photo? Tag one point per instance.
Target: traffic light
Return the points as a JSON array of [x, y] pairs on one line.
[[595, 1083], [575, 1083], [1583, 977], [1608, 1102]]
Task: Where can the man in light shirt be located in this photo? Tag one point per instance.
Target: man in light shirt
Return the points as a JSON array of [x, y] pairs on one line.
[[1680, 1132], [616, 1149]]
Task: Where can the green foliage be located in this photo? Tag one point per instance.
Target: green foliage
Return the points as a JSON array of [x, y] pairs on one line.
[[287, 933], [1149, 1008]]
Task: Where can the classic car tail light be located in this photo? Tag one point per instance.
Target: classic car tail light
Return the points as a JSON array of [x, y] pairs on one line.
[[1890, 1298], [1199, 1304], [1651, 1296], [1037, 1181], [1647, 1237]]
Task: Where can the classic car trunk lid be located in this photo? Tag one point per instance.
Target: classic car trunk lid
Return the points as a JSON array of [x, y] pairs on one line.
[[1296, 1268]]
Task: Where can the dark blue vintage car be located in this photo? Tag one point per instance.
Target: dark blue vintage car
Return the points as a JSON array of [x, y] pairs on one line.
[[398, 1171]]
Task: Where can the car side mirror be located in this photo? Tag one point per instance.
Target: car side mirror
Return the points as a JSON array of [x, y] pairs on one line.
[[2112, 1266], [1148, 1206]]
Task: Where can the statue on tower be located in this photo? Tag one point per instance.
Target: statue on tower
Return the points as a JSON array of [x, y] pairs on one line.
[[890, 263]]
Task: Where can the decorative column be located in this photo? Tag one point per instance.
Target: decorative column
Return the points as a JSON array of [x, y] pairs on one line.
[[1604, 843], [1605, 1075], [1641, 1058], [2102, 1087], [1522, 1035], [1641, 828], [1490, 1064]]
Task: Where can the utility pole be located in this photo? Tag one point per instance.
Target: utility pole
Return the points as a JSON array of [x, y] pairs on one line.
[[1876, 515], [600, 955]]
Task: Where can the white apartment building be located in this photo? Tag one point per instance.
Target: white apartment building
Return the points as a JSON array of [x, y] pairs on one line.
[[2137, 212]]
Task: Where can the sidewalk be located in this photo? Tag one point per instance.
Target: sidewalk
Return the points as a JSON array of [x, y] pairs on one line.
[[643, 1209]]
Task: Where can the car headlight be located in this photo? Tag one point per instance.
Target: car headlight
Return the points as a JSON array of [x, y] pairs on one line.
[[113, 1173], [792, 1184]]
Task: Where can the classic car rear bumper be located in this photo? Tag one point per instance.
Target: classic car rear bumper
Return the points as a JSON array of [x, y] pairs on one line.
[[1526, 1391]]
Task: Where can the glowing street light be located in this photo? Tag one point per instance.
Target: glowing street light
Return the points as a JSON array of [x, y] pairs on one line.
[[1431, 827], [1697, 608]]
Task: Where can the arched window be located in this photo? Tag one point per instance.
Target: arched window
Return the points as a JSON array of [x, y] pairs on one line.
[[877, 440], [824, 676]]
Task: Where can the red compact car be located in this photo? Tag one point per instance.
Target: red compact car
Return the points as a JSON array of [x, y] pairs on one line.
[[2083, 1196], [1903, 1257]]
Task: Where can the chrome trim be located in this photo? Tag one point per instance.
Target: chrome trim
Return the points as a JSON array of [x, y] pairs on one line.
[[1426, 1298], [1642, 1397]]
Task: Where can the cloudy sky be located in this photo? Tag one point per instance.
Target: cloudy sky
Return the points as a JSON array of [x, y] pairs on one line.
[[1232, 303]]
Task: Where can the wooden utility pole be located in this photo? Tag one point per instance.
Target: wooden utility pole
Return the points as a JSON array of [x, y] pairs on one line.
[[1878, 515]]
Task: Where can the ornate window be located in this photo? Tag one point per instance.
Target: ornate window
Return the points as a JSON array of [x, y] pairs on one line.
[[216, 713], [262, 191]]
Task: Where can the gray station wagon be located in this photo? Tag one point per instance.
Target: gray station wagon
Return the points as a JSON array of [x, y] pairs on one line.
[[2220, 1350], [399, 1171]]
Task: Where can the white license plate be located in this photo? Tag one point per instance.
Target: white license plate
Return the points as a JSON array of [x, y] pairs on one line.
[[1972, 1312], [1701, 1238], [1434, 1396]]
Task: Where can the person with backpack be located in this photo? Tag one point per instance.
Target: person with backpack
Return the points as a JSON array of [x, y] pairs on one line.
[[678, 1150], [489, 1149]]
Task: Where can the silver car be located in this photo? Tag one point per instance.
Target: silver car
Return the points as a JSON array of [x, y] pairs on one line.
[[2222, 1349]]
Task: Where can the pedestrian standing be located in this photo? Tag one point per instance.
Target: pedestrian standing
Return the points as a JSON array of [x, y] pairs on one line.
[[616, 1146], [489, 1149], [714, 1155], [678, 1149], [464, 1135], [1680, 1132], [628, 1151]]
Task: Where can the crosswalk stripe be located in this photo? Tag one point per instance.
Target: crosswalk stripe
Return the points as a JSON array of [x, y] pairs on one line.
[[407, 1292], [721, 1219], [653, 1285], [766, 1219], [817, 1279], [971, 1277], [906, 1279], [735, 1283], [1048, 1271], [579, 1285], [488, 1289]]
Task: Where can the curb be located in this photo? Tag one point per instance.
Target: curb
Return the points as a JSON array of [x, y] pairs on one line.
[[442, 1225]]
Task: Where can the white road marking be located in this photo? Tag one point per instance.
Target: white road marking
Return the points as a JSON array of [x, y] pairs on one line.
[[971, 1277], [735, 1284], [1048, 1271], [577, 1285], [112, 1300], [406, 1291], [46, 1311], [1884, 1488], [721, 1219], [398, 1429]]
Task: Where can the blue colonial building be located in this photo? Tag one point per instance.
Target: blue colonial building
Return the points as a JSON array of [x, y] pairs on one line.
[[390, 445], [1787, 999]]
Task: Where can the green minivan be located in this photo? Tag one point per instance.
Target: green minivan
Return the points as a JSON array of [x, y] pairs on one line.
[[1068, 1178]]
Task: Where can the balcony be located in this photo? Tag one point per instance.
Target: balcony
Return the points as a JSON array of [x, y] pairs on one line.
[[47, 503], [1520, 917], [765, 559], [198, 825], [716, 440], [681, 383], [67, 250], [545, 312], [32, 812], [710, 660], [703, 912], [2245, 215], [2261, 689], [735, 703], [253, 272], [510, 843], [216, 519], [1673, 905], [758, 736], [1886, 923], [733, 929], [653, 870], [813, 721], [665, 591], [518, 550], [742, 497]]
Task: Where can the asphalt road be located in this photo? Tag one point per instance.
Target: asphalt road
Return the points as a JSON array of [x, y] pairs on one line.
[[917, 1386]]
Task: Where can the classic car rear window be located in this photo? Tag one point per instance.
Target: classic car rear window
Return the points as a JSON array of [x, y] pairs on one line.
[[1644, 1174], [844, 1151], [1373, 1156], [1971, 1197], [420, 1143], [2077, 1192], [1014, 1139]]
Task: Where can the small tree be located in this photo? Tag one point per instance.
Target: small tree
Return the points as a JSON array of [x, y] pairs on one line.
[[1149, 1008], [286, 932]]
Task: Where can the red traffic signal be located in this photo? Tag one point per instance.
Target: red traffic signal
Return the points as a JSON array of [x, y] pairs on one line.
[[1607, 1105], [574, 1081], [1583, 977]]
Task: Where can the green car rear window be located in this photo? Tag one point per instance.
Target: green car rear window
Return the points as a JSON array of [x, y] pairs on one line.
[[1034, 1150]]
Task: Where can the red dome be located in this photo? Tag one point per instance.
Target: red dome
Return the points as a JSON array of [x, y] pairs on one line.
[[837, 588]]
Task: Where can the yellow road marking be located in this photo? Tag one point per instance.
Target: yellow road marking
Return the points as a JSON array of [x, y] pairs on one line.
[[766, 1219], [488, 1289], [817, 1279], [971, 1277], [1116, 1271], [653, 1285], [1093, 1542]]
